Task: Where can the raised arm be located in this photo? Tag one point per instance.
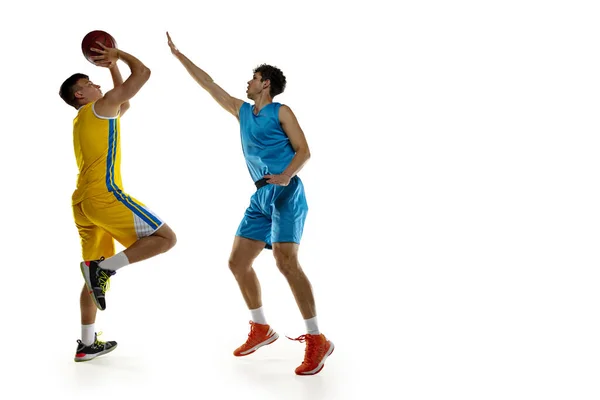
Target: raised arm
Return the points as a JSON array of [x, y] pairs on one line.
[[111, 103], [230, 104], [118, 81]]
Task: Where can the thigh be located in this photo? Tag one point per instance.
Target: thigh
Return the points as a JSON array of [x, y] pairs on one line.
[[245, 251], [289, 214], [285, 252], [95, 241], [255, 225], [122, 216]]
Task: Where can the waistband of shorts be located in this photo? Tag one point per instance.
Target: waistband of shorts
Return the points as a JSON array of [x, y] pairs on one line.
[[260, 183]]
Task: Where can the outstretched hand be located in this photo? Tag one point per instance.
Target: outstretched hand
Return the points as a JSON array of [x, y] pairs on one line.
[[174, 49], [107, 57], [281, 180]]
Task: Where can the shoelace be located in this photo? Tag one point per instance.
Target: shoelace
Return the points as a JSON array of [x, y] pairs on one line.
[[311, 347], [104, 281], [98, 343], [252, 339], [300, 339]]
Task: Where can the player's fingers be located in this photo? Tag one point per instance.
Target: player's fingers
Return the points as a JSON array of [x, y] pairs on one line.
[[170, 42], [97, 50], [102, 57], [101, 45]]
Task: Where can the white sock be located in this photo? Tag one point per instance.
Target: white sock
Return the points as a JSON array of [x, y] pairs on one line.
[[88, 334], [311, 326], [115, 262], [258, 316]]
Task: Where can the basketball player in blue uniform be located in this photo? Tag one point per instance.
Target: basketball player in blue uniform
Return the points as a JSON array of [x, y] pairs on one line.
[[275, 149]]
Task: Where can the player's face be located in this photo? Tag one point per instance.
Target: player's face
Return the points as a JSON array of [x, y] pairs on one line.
[[255, 86], [89, 91]]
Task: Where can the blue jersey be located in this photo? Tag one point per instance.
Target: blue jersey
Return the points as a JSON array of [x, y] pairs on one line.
[[266, 147]]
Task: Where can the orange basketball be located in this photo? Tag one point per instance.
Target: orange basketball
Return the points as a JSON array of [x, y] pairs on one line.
[[90, 40]]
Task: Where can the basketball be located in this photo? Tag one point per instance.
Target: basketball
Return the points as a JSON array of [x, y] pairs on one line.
[[90, 40]]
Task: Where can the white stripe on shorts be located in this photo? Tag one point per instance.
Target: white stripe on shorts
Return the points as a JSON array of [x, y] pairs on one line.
[[142, 229]]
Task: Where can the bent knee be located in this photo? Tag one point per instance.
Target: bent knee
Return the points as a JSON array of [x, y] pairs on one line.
[[287, 263], [238, 267], [167, 236], [171, 241]]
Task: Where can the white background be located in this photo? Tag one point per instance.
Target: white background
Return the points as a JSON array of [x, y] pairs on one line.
[[452, 237]]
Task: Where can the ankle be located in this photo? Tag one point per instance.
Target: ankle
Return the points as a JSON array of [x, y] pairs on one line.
[[258, 316], [312, 327]]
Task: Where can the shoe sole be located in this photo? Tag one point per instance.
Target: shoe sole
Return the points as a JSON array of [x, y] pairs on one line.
[[85, 271], [258, 346], [322, 363], [89, 357]]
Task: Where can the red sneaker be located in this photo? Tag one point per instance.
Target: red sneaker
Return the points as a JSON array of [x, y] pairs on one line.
[[260, 335], [318, 348]]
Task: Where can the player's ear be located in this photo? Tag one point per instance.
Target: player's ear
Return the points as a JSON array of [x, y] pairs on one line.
[[266, 83], [78, 94]]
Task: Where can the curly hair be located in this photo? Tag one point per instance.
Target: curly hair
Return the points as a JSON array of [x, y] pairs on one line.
[[273, 74]]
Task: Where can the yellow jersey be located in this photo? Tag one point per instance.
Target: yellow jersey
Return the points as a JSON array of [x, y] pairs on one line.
[[96, 141]]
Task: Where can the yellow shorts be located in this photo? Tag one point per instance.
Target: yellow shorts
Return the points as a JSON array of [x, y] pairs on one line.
[[108, 216]]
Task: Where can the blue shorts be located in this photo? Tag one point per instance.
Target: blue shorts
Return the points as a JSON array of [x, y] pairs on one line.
[[276, 214]]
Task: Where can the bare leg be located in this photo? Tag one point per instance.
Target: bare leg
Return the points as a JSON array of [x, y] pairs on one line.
[[87, 306], [243, 254], [286, 257], [159, 242]]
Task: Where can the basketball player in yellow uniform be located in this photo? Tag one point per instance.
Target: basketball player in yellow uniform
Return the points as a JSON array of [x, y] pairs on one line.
[[103, 212]]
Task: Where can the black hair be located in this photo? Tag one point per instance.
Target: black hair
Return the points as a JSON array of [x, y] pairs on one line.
[[69, 87], [273, 74]]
